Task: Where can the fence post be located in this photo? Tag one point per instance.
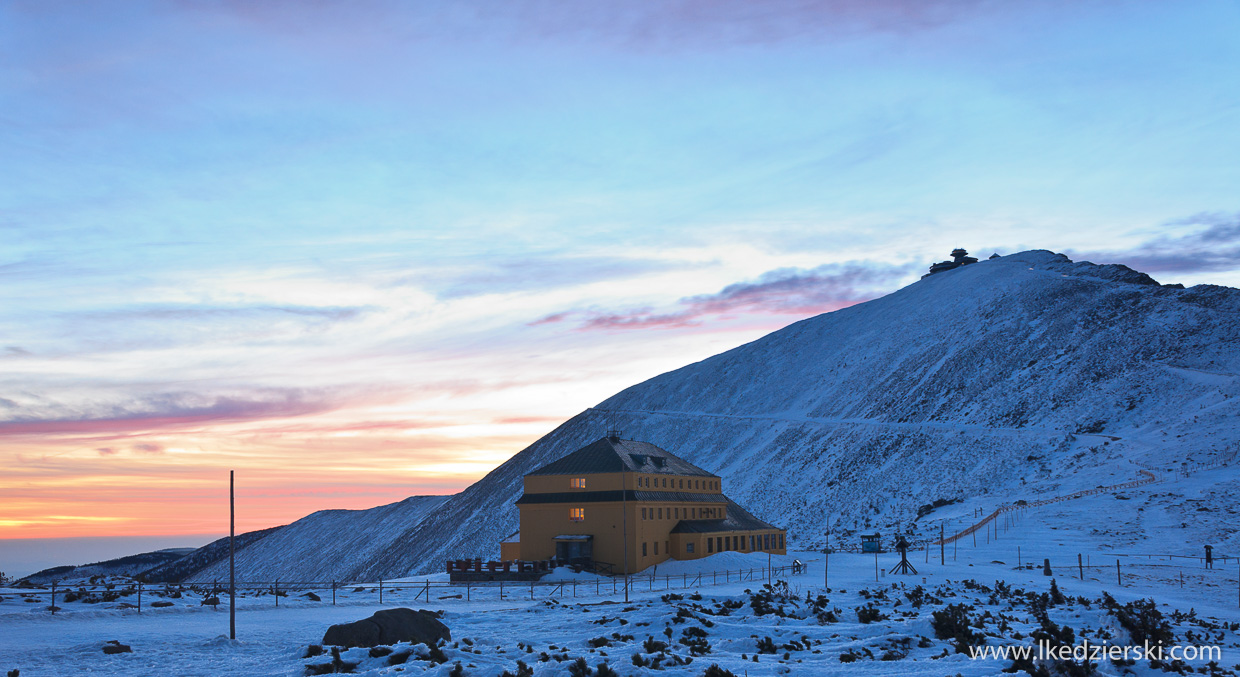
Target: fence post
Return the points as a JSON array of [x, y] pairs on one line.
[[275, 590], [428, 591], [1018, 557], [1079, 567], [333, 593], [1118, 580], [140, 596], [501, 589], [531, 589], [467, 597]]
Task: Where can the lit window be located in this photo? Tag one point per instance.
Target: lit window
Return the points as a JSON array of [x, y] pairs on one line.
[[577, 514], [577, 483]]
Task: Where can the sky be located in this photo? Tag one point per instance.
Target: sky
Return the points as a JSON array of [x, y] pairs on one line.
[[358, 251]]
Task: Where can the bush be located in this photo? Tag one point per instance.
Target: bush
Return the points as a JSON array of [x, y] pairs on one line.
[[953, 622], [1057, 596], [523, 670], [869, 614], [1141, 619], [579, 668]]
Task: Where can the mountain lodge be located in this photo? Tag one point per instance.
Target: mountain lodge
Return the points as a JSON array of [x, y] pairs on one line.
[[620, 506]]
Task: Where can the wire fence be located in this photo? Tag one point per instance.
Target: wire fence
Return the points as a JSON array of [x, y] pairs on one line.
[[138, 596], [1148, 478]]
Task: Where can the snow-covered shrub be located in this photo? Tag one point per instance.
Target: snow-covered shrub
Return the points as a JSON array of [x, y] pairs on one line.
[[953, 622]]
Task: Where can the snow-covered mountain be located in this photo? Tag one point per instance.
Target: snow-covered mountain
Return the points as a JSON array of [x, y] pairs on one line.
[[328, 545], [1018, 377], [130, 565]]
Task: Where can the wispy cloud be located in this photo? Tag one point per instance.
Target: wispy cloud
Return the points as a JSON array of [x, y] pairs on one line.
[[1213, 246], [162, 411], [785, 291]]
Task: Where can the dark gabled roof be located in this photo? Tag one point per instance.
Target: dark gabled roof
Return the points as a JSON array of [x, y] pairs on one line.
[[738, 519], [612, 454]]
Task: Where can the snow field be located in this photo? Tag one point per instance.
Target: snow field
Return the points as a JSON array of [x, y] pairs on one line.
[[490, 635]]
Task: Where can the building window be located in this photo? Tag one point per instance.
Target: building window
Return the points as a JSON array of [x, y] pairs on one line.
[[656, 548], [643, 513], [682, 484], [766, 541], [667, 547], [577, 483], [677, 513], [643, 549], [693, 512], [577, 514], [689, 548], [710, 545], [660, 513], [781, 541]]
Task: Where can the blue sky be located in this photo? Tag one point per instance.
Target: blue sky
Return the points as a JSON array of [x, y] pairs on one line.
[[366, 250]]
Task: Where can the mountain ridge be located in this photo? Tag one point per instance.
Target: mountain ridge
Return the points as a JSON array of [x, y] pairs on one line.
[[990, 380]]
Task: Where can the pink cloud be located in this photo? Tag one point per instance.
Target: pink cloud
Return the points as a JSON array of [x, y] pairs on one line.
[[786, 291]]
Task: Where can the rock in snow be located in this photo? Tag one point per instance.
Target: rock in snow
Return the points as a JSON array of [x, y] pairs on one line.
[[389, 626]]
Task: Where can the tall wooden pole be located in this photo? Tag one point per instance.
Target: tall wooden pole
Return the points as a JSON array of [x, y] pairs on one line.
[[232, 558], [826, 561]]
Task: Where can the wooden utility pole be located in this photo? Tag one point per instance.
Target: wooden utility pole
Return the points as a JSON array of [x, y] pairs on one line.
[[826, 561], [232, 558]]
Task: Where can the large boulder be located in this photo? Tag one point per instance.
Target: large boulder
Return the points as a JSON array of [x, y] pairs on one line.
[[389, 626]]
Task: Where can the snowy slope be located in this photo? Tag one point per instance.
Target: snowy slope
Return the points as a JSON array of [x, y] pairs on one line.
[[324, 546], [1018, 377], [197, 560]]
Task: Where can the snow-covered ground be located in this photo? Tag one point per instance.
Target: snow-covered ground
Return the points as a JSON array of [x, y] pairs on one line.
[[490, 635]]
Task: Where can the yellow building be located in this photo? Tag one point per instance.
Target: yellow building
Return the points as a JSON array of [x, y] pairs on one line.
[[622, 505]]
